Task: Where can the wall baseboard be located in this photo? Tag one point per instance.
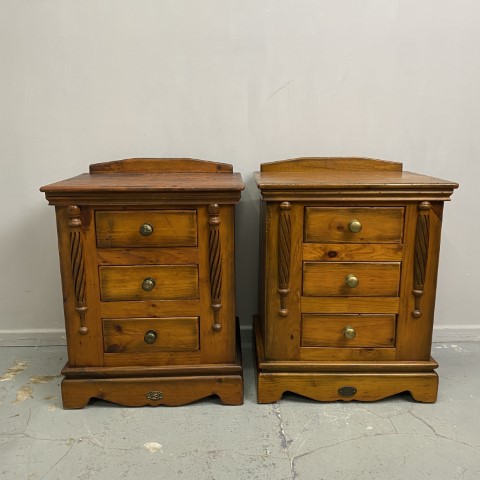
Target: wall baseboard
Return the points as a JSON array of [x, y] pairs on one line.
[[456, 333], [48, 337], [33, 338]]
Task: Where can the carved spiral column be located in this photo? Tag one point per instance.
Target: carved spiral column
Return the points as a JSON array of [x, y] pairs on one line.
[[284, 247], [78, 266], [215, 262], [422, 236]]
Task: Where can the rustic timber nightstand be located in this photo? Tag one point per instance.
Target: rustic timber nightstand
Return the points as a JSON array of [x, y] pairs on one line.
[[147, 263], [349, 258]]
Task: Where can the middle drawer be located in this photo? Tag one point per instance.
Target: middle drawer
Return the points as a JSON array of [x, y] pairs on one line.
[[351, 279], [148, 282]]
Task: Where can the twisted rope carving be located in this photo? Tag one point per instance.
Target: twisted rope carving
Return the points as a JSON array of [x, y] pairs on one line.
[[284, 247], [422, 237], [78, 265], [215, 263]]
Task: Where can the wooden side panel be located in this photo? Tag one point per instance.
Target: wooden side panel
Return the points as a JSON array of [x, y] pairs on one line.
[[331, 224], [172, 282], [169, 228], [85, 347], [328, 330], [283, 314], [217, 344], [173, 334], [329, 279], [414, 331]]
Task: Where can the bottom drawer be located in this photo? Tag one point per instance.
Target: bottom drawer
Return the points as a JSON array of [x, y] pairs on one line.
[[130, 335], [348, 330]]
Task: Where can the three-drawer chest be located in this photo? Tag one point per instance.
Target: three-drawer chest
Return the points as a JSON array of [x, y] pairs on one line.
[[147, 264], [348, 269]]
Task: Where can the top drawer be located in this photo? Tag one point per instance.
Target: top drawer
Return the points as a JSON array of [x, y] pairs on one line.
[[353, 224], [145, 228]]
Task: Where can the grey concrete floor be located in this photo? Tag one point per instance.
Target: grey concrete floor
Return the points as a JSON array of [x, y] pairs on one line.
[[294, 439]]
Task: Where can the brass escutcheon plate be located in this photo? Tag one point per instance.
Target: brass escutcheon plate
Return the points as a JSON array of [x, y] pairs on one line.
[[155, 395], [347, 391]]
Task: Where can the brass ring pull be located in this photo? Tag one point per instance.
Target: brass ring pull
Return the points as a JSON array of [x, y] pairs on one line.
[[150, 337], [146, 229], [355, 226], [148, 284], [349, 332], [351, 280]]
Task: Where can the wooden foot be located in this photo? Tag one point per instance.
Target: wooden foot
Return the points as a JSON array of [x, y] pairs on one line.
[[136, 392], [329, 387]]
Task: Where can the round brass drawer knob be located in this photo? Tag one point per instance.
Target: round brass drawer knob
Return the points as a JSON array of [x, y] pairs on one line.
[[146, 229], [349, 332], [355, 226], [148, 284], [351, 280], [150, 337]]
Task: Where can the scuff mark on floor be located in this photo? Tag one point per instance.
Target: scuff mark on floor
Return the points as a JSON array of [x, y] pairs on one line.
[[13, 371], [23, 393], [153, 447], [37, 379]]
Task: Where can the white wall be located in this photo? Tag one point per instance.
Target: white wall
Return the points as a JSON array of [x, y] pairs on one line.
[[242, 82]]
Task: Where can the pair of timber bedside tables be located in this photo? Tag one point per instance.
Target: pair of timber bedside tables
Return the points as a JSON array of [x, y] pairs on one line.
[[348, 264]]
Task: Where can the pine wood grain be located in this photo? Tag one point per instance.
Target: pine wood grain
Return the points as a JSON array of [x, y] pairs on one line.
[[160, 165], [172, 282], [320, 330], [147, 256], [149, 308], [350, 304], [348, 252], [128, 334], [331, 224], [134, 392], [171, 228], [328, 279], [309, 164], [330, 364], [369, 387], [87, 349]]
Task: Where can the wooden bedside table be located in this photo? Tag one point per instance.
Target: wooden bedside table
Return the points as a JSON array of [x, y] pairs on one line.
[[349, 258], [147, 263]]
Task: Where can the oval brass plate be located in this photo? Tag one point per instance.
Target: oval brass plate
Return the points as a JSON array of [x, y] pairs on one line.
[[347, 391], [155, 395]]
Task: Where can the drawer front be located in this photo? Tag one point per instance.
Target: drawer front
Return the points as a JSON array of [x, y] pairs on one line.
[[353, 225], [374, 279], [348, 330], [159, 228], [153, 282], [175, 334]]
